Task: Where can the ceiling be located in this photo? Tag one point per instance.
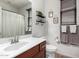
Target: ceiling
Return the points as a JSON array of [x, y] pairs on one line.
[[16, 3]]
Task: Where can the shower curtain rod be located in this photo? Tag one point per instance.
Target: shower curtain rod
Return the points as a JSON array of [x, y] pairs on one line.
[[8, 10], [11, 11]]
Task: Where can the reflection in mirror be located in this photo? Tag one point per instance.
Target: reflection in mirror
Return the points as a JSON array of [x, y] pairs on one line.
[[29, 29], [13, 23]]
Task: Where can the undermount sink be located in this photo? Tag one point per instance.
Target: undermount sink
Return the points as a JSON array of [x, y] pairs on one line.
[[16, 46]]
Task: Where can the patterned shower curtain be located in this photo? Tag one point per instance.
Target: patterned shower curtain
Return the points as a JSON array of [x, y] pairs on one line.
[[12, 24]]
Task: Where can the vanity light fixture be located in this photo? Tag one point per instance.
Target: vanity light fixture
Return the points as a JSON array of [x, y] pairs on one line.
[[50, 14]]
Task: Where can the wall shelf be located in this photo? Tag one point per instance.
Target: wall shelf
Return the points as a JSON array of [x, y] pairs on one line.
[[40, 21], [41, 16]]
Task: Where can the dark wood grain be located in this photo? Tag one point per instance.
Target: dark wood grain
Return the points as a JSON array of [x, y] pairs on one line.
[[38, 51], [30, 53]]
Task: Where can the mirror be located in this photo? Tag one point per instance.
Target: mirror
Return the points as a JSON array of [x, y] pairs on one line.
[[13, 23]]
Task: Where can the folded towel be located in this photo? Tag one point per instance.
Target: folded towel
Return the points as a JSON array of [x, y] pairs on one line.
[[30, 29], [73, 28], [64, 28]]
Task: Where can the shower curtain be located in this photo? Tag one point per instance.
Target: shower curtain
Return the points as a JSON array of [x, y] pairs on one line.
[[0, 22], [12, 24]]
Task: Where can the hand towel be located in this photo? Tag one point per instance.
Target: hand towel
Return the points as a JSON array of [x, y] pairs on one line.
[[64, 28], [73, 28]]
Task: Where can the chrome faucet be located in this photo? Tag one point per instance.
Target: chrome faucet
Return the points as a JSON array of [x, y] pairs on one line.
[[15, 40]]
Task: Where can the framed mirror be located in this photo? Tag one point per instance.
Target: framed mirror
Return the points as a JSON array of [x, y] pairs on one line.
[[16, 23]]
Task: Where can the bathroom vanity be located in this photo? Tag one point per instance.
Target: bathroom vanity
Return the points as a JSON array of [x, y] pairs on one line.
[[30, 47], [37, 51]]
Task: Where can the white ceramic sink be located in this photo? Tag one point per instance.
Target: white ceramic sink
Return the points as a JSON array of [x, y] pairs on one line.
[[16, 46]]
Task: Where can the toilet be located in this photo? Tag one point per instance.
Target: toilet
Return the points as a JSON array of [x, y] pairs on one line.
[[50, 51]]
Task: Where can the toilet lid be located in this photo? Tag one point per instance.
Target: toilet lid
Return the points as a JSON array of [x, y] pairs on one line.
[[51, 48]]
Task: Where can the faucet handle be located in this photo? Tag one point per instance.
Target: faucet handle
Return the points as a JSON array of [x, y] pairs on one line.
[[17, 39]]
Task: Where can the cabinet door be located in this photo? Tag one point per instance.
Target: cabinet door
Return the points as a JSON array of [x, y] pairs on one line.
[[41, 54], [30, 53], [43, 46]]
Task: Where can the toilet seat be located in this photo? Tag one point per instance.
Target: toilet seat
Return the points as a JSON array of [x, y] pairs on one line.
[[51, 48]]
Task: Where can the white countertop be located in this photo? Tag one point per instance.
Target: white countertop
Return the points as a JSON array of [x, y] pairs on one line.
[[31, 42]]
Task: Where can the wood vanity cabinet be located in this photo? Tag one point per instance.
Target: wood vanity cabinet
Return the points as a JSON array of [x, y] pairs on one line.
[[38, 51]]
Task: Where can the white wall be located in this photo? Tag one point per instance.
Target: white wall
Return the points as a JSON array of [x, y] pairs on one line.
[[37, 5], [7, 6], [53, 29], [23, 9]]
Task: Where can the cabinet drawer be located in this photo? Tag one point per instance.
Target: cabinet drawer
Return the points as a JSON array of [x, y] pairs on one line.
[[29, 53], [43, 45]]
